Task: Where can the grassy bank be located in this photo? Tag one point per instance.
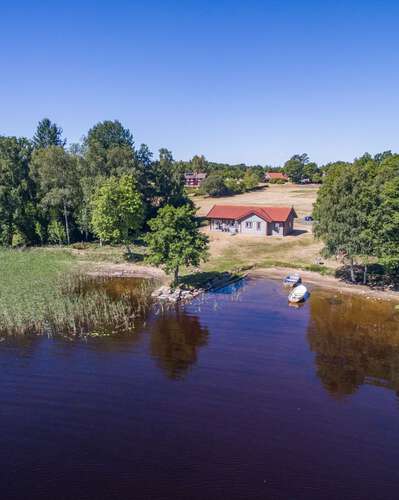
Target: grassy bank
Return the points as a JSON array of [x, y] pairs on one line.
[[46, 291], [29, 284]]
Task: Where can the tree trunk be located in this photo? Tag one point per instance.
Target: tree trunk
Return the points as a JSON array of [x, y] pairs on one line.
[[365, 275], [352, 271], [66, 223], [176, 276], [129, 251]]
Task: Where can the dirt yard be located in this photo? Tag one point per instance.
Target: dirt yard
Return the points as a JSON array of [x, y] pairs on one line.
[[300, 197], [298, 249]]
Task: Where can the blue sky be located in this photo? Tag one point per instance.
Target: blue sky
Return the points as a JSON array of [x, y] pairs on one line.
[[238, 81]]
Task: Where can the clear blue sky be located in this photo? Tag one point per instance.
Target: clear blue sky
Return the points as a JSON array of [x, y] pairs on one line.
[[238, 81]]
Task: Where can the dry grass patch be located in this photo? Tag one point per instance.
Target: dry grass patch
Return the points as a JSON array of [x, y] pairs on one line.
[[301, 197]]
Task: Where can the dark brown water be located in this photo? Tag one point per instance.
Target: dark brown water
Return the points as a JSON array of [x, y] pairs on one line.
[[237, 396]]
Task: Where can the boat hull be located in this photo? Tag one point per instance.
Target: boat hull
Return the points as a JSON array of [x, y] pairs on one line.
[[299, 294]]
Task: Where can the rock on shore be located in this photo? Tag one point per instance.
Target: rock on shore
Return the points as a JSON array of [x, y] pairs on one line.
[[168, 294]]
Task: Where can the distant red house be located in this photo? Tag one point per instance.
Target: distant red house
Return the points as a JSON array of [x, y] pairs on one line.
[[258, 221], [276, 175], [194, 179]]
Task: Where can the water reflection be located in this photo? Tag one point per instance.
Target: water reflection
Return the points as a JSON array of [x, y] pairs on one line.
[[356, 342], [175, 341]]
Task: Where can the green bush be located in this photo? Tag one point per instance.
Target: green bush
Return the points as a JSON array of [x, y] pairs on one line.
[[277, 181], [56, 232], [18, 239]]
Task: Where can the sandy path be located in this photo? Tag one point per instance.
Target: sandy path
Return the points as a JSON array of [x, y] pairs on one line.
[[328, 282]]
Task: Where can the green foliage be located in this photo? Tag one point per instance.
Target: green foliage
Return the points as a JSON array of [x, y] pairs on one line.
[[215, 185], [294, 167], [277, 181], [56, 232], [109, 149], [39, 231], [55, 172], [356, 213], [40, 292], [175, 240], [117, 210], [18, 239], [16, 189], [250, 180], [310, 171], [48, 134], [385, 220], [167, 182]]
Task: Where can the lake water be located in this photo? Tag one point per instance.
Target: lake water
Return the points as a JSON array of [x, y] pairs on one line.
[[234, 396]]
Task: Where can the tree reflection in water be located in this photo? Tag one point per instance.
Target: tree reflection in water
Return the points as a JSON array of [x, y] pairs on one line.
[[175, 340], [356, 342]]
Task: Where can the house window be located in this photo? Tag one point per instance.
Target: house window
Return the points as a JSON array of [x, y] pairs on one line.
[[248, 225], [258, 226]]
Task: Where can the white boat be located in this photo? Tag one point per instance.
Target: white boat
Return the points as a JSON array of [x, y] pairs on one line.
[[292, 280], [298, 294]]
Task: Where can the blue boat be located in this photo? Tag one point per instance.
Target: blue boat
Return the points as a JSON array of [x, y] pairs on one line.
[[292, 280]]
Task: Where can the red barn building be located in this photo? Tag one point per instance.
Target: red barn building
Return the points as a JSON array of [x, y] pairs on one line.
[[194, 179]]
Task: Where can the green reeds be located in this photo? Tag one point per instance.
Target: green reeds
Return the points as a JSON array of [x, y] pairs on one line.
[[41, 294]]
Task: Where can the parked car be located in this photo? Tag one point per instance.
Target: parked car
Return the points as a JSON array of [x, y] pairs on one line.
[[308, 218]]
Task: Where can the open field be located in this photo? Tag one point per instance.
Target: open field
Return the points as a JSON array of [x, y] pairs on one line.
[[301, 197], [297, 250]]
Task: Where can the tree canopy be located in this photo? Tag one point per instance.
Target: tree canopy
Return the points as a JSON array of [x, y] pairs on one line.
[[117, 210], [357, 211], [174, 239], [48, 134]]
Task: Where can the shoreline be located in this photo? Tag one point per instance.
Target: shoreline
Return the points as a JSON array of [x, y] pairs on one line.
[[326, 282], [126, 270]]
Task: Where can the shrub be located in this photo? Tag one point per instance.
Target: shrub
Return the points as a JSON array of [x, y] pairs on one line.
[[214, 185], [18, 239], [277, 181], [56, 232]]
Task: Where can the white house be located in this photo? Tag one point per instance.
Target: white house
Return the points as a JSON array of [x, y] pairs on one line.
[[258, 221]]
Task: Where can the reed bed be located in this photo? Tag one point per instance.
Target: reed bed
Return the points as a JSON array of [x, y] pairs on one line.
[[41, 293]]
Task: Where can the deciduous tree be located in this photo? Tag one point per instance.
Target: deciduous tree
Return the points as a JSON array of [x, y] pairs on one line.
[[56, 174], [17, 210], [175, 240], [117, 210]]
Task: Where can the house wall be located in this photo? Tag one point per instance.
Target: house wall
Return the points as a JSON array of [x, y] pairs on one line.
[[264, 228], [218, 224], [289, 225], [275, 229], [253, 225]]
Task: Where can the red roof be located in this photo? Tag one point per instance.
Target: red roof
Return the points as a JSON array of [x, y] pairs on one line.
[[277, 175], [238, 212]]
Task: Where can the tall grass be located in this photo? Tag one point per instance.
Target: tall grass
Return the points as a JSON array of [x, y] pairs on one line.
[[41, 292]]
